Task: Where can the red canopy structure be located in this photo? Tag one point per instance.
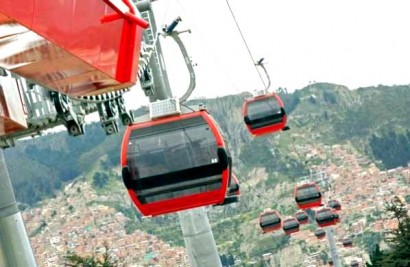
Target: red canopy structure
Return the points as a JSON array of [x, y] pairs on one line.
[[74, 47]]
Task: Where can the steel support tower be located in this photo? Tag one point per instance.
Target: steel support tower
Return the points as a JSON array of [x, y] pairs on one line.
[[332, 247], [15, 249]]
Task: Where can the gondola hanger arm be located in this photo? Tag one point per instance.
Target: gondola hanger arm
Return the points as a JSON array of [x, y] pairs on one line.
[[170, 31], [260, 63]]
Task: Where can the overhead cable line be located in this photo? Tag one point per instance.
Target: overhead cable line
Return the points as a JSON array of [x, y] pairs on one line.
[[206, 45], [246, 44]]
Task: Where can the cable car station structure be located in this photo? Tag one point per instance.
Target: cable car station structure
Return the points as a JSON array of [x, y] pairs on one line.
[[55, 73]]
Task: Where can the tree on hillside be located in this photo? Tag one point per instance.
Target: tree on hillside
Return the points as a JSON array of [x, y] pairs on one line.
[[398, 239], [100, 179], [391, 148], [74, 260], [376, 258]]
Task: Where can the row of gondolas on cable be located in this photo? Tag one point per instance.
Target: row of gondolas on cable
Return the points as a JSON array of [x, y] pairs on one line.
[[307, 197]]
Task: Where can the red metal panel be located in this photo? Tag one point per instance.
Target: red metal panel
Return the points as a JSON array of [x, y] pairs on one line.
[[22, 10], [53, 20], [66, 41], [309, 205], [177, 204]]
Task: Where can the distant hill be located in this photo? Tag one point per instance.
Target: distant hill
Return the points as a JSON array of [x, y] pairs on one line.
[[371, 123], [374, 119]]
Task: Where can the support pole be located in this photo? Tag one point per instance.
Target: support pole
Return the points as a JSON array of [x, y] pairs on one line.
[[198, 237], [15, 249], [332, 247]]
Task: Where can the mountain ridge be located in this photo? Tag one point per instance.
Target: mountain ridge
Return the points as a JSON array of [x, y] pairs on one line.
[[327, 112]]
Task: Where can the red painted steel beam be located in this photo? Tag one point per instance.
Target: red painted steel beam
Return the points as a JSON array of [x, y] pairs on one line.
[[70, 46]]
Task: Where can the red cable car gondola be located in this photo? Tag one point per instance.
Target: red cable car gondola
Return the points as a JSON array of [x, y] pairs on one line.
[[302, 217], [233, 194], [337, 218], [264, 114], [347, 243], [334, 204], [330, 262], [175, 163], [308, 196], [326, 217], [354, 263], [270, 221], [290, 226], [320, 233]]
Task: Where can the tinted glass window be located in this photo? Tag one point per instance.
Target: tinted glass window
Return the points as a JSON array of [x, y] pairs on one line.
[[334, 204], [290, 224], [263, 108], [307, 192], [181, 189], [319, 232], [301, 216], [172, 150], [325, 215], [268, 219]]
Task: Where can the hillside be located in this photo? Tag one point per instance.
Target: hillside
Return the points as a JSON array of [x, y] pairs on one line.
[[333, 129], [373, 119]]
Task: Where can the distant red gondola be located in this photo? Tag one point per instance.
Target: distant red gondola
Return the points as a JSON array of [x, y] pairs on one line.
[[308, 196], [337, 217], [290, 226], [175, 163], [233, 194], [347, 243], [334, 204], [326, 217], [320, 233], [264, 114], [302, 217], [354, 263], [270, 221], [330, 262]]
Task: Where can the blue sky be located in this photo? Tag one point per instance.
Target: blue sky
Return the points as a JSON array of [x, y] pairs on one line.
[[356, 43]]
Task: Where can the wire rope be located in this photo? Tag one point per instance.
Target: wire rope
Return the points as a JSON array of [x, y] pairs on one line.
[[211, 52], [165, 13], [246, 44]]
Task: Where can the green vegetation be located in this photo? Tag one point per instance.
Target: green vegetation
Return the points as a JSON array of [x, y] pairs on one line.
[[369, 240], [100, 179], [261, 152], [40, 166], [227, 260], [398, 240], [39, 229], [407, 198], [269, 243], [391, 148], [105, 260]]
